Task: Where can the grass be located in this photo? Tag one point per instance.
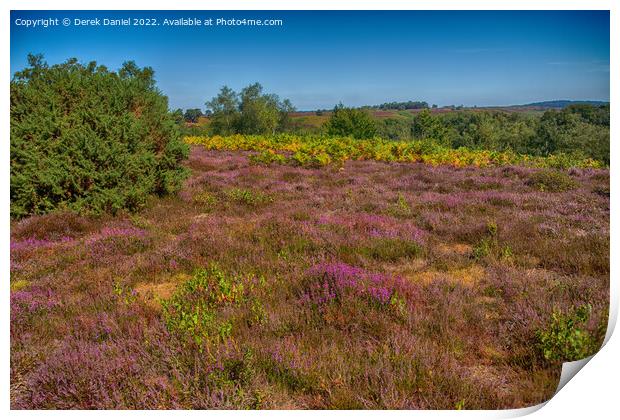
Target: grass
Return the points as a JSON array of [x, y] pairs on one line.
[[378, 285]]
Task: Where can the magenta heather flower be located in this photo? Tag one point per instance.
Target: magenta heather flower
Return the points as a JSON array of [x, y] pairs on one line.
[[111, 241], [34, 243], [26, 302], [330, 282]]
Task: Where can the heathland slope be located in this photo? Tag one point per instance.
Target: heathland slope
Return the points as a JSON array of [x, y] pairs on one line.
[[361, 285]]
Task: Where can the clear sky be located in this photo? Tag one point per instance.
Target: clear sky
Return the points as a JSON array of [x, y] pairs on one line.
[[318, 59]]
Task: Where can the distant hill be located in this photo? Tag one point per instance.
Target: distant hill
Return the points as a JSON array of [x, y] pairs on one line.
[[560, 104]]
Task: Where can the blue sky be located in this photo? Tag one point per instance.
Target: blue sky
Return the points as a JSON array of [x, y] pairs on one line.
[[318, 59]]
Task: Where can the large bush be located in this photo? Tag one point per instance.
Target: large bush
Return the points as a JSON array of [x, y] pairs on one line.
[[249, 112], [356, 123], [89, 139]]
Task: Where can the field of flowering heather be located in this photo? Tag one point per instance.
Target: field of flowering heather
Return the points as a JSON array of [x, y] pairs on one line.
[[364, 285]]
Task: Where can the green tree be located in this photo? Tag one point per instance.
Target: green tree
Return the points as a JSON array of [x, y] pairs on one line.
[[88, 139], [178, 117], [192, 114], [249, 112], [286, 108], [260, 113], [597, 115], [394, 128], [224, 111], [567, 132], [427, 126], [356, 123]]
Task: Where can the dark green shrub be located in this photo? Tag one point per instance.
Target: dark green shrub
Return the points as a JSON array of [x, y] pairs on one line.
[[88, 139], [552, 181]]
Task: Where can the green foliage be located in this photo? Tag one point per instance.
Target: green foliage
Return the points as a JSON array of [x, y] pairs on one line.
[[249, 112], [310, 160], [316, 151], [90, 140], [552, 181], [192, 115], [401, 208], [486, 130], [194, 310], [205, 199], [390, 249], [259, 113], [572, 131], [566, 338], [224, 111], [248, 197], [597, 115], [482, 249], [177, 116], [580, 131], [267, 157], [125, 294], [356, 123], [394, 128], [404, 105], [427, 126], [258, 315]]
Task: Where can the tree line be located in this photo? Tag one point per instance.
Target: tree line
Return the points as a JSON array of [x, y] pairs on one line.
[[578, 129], [250, 111]]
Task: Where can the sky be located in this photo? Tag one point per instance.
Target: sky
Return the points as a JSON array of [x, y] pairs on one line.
[[320, 58]]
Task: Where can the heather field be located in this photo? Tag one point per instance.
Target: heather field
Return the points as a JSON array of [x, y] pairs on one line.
[[270, 283]]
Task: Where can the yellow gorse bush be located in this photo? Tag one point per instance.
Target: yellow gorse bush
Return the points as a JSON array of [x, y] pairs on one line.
[[324, 150]]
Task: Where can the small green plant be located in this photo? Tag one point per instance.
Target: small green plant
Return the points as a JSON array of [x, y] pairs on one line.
[[492, 228], [398, 304], [18, 285], [552, 181], [225, 329], [205, 199], [482, 249], [506, 252], [248, 197], [126, 294], [139, 221], [489, 245], [192, 311], [566, 338], [401, 208], [258, 315]]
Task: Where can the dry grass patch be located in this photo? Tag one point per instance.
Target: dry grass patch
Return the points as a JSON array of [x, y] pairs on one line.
[[152, 293], [468, 276]]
